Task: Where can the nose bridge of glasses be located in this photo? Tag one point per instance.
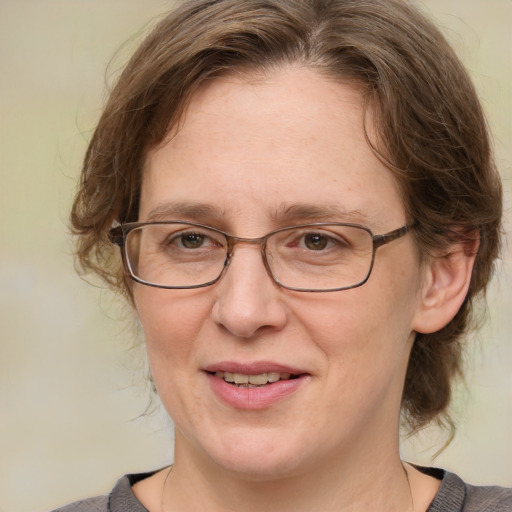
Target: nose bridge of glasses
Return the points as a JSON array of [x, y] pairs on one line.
[[233, 241], [237, 240]]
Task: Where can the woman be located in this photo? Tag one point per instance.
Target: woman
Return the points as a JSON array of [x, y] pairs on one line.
[[306, 208]]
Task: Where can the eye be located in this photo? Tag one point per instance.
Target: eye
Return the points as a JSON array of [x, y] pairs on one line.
[[320, 241], [192, 240], [316, 241]]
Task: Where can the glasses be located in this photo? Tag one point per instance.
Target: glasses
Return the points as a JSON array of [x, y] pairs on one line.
[[320, 257]]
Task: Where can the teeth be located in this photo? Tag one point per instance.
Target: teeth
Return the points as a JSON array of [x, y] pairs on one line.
[[258, 379], [252, 380], [227, 376], [274, 376], [240, 378]]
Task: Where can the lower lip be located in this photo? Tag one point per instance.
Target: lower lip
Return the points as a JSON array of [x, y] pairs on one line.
[[254, 398]]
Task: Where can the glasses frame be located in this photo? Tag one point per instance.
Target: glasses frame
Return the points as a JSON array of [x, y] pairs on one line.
[[118, 234]]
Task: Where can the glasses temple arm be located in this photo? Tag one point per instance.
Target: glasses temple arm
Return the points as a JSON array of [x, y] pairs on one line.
[[379, 240]]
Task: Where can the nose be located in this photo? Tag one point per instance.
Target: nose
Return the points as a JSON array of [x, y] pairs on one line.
[[248, 299]]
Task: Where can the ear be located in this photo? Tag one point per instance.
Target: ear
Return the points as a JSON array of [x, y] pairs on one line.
[[446, 284]]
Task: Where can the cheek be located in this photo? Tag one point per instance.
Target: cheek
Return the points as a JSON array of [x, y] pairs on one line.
[[171, 320], [354, 322], [366, 332]]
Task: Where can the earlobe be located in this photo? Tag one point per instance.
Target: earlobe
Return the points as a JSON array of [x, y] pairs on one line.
[[445, 287]]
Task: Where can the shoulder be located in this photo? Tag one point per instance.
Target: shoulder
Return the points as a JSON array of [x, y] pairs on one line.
[[97, 504], [120, 499], [488, 499], [455, 495]]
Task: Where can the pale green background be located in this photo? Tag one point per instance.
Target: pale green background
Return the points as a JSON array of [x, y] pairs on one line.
[[70, 387]]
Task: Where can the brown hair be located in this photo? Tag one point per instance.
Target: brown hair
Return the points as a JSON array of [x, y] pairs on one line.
[[431, 130]]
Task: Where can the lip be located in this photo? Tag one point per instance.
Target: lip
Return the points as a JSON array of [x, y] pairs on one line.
[[259, 397], [253, 368]]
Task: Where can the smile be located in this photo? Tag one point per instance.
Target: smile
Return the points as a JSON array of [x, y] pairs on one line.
[[254, 385], [252, 381]]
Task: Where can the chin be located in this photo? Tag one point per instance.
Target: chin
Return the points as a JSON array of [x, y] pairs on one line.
[[258, 457]]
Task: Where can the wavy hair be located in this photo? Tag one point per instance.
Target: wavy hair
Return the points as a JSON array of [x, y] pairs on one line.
[[431, 133]]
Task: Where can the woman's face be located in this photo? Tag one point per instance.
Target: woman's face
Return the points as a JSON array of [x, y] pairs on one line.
[[253, 155]]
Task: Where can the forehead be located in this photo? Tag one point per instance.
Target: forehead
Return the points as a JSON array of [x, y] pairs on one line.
[[267, 142], [284, 105]]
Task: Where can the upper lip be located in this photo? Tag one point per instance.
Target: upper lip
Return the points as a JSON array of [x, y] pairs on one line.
[[253, 368]]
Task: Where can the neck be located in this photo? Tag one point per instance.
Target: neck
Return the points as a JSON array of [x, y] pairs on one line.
[[356, 482]]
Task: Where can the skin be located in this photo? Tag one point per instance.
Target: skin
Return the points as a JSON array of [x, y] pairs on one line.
[[250, 147]]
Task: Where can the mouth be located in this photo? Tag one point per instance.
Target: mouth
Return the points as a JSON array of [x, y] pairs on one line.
[[243, 380], [255, 385]]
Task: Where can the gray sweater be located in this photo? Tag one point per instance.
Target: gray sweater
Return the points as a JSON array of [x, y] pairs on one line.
[[453, 496]]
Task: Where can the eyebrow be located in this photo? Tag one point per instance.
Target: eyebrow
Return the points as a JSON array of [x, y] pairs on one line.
[[201, 212], [284, 214], [314, 212]]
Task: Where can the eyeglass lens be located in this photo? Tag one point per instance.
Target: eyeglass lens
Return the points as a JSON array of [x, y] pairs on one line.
[[308, 257]]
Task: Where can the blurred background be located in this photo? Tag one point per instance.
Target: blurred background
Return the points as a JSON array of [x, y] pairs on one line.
[[75, 412]]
